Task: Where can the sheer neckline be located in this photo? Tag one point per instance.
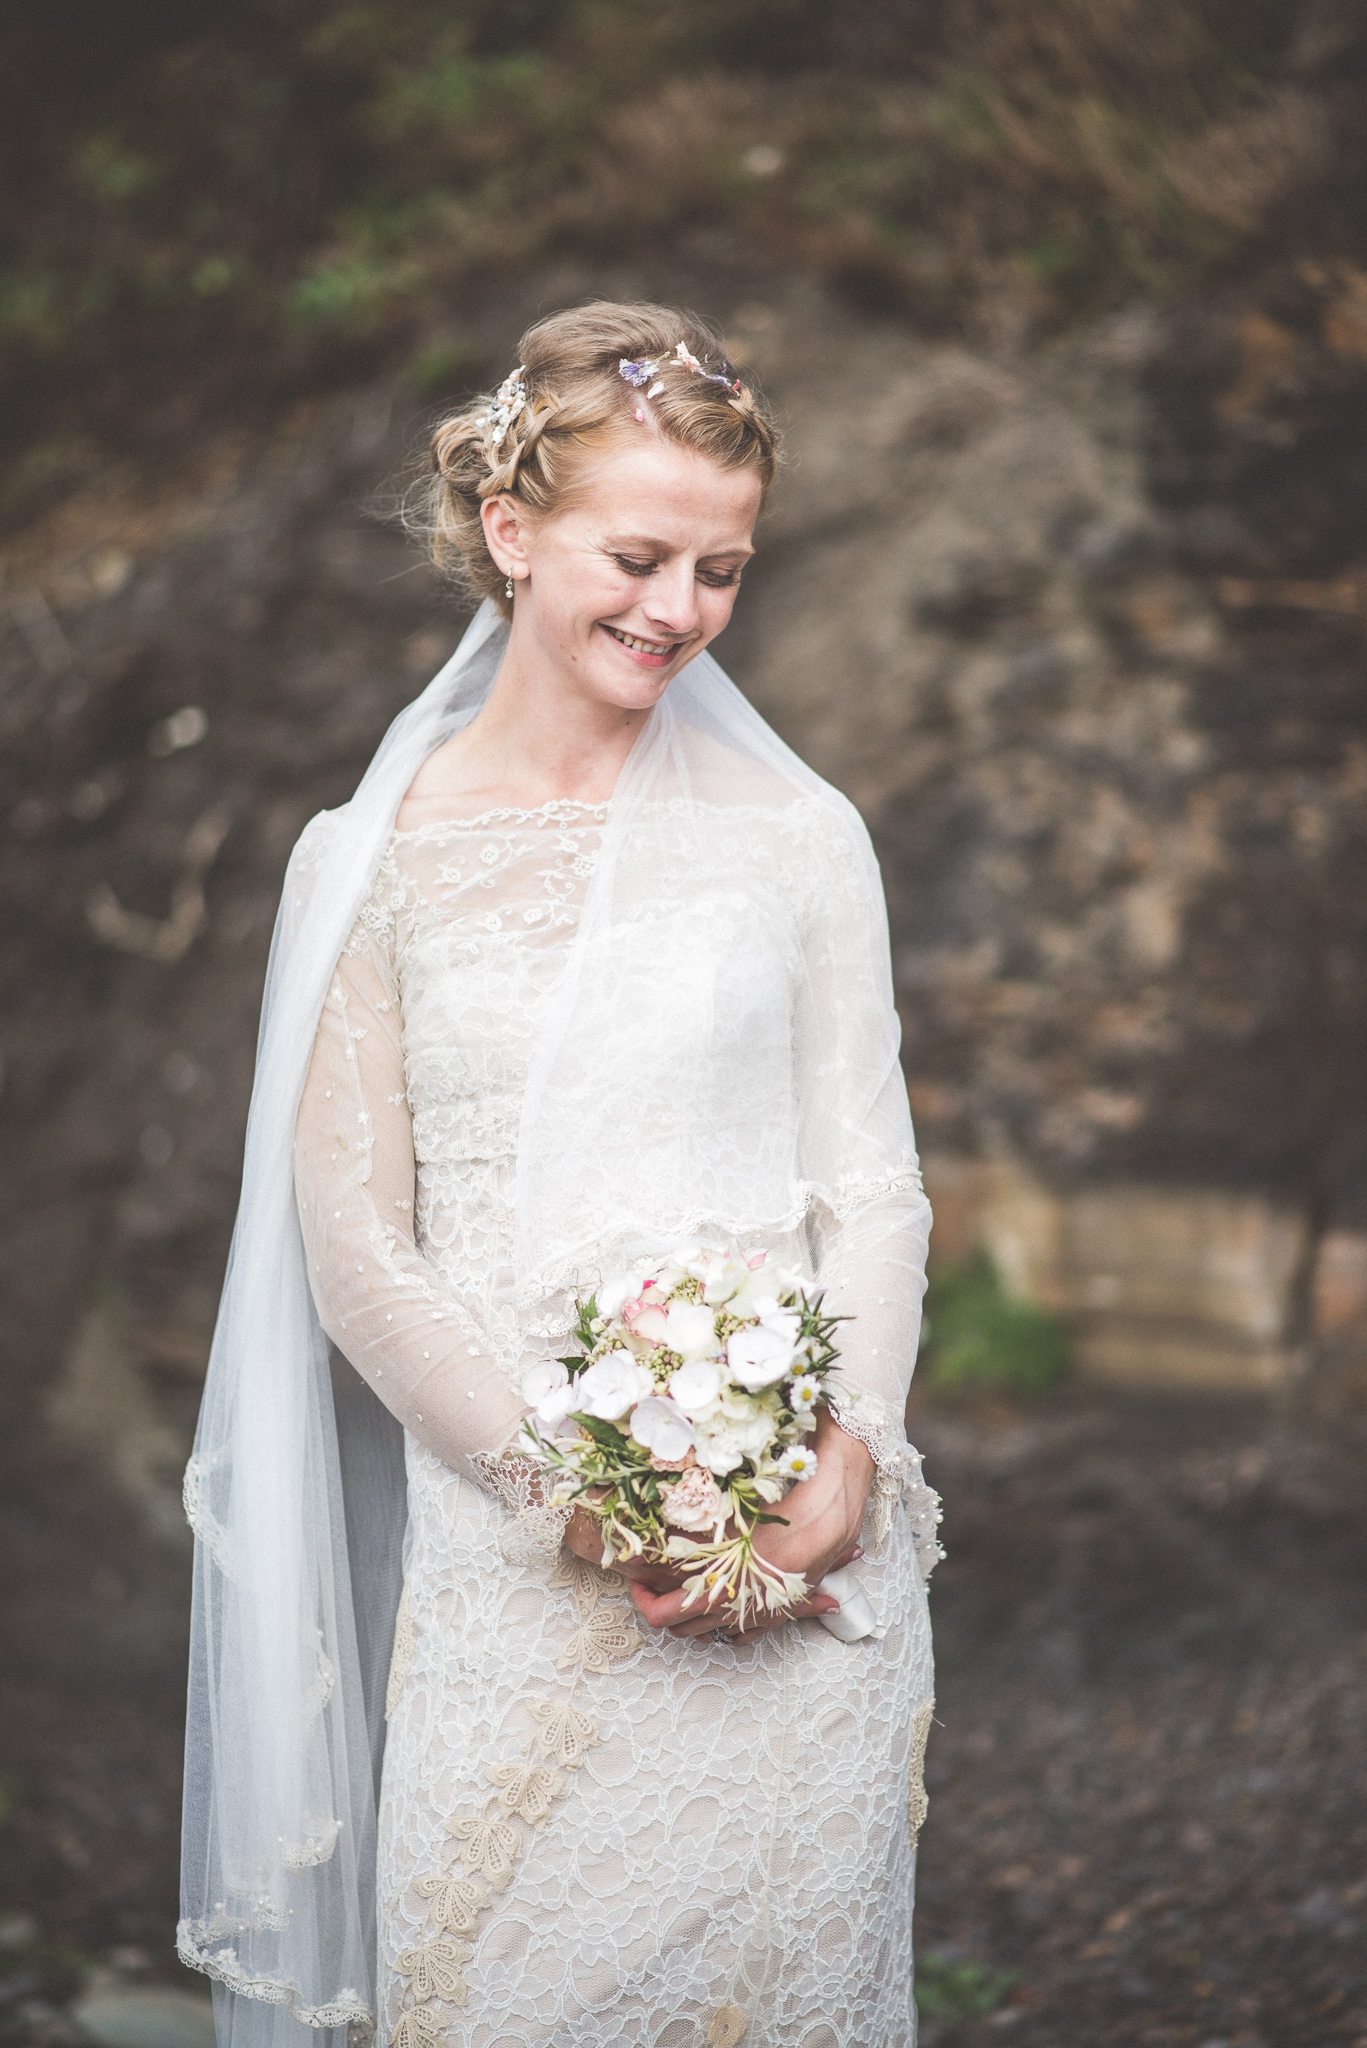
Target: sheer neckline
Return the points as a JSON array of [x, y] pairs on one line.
[[552, 810]]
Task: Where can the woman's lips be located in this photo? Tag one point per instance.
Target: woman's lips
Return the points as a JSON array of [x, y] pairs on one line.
[[643, 653]]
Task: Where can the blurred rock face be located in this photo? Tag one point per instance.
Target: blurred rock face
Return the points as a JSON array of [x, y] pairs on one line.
[[1102, 700], [1034, 610]]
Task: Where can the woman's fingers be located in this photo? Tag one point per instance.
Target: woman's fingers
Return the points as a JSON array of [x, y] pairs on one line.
[[659, 1599], [659, 1578], [663, 1610], [667, 1611]]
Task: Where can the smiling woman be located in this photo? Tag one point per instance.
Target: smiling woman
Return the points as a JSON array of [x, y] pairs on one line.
[[581, 388], [590, 967]]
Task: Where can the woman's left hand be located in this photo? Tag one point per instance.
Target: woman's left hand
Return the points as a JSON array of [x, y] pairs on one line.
[[820, 1533]]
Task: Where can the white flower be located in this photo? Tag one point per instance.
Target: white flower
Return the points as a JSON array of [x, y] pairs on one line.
[[679, 1265], [691, 1330], [611, 1385], [798, 1462], [557, 1406], [739, 1406], [552, 1394], [722, 1273], [613, 1297], [720, 1451], [758, 1356], [804, 1393], [784, 1322], [695, 1387], [540, 1379], [757, 1292], [661, 1425], [750, 1424]]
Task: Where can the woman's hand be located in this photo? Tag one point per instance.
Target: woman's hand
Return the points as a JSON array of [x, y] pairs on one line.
[[820, 1532], [584, 1537]]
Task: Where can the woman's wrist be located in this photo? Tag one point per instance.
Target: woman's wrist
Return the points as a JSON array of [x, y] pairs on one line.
[[843, 1456]]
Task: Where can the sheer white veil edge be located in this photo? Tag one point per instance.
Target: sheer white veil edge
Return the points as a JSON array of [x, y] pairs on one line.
[[295, 1490]]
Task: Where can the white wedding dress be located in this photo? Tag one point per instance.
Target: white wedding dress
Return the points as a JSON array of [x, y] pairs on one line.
[[594, 1834]]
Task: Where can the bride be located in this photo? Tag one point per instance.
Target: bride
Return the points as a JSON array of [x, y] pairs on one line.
[[591, 965]]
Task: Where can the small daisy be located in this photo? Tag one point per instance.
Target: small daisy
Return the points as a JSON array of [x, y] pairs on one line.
[[797, 1462], [803, 1393]]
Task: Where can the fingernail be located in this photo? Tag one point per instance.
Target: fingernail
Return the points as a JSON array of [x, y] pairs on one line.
[[858, 1551], [831, 1607]]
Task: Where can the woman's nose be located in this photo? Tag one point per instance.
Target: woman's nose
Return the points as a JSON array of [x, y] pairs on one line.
[[672, 601]]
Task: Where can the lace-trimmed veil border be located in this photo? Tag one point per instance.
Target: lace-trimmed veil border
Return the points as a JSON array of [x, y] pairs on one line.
[[296, 1485]]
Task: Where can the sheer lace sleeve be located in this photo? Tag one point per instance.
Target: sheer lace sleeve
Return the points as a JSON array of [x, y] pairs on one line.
[[871, 1218], [379, 1298]]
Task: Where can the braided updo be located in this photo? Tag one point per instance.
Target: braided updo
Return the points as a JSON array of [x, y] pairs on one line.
[[577, 400]]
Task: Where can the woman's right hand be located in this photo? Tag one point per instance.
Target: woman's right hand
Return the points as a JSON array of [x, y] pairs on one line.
[[584, 1536]]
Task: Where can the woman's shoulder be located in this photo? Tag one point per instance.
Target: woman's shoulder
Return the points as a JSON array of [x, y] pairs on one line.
[[310, 848]]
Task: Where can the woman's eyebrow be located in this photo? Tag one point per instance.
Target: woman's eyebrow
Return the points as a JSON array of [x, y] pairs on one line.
[[661, 547]]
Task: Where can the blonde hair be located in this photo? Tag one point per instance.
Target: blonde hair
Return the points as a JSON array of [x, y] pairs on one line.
[[577, 400]]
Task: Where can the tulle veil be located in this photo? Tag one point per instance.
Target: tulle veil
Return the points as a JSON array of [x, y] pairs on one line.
[[295, 1489]]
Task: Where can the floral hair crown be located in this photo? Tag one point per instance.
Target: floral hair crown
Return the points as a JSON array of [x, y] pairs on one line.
[[510, 400]]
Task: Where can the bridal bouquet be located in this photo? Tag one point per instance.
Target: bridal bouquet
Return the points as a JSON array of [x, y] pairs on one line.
[[684, 1415]]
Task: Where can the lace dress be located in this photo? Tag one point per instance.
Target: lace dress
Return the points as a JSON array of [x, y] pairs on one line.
[[594, 1834]]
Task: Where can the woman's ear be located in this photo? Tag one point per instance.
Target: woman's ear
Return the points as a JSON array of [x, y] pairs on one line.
[[505, 531]]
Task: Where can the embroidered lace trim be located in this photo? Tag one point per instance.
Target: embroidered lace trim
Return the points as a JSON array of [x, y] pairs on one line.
[[494, 1836], [210, 1531], [899, 1478], [918, 1804], [535, 1529], [348, 2009]]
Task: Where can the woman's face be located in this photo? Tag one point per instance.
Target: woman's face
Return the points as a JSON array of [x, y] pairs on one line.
[[633, 578]]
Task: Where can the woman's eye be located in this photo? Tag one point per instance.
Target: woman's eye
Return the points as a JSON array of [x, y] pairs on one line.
[[712, 578]]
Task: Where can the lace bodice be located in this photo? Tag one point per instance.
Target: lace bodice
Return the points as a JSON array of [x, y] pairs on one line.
[[472, 914], [409, 1128]]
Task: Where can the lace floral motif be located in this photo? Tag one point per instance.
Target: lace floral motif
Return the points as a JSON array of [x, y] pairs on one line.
[[526, 1786], [315, 1848], [918, 1805], [401, 1656], [534, 1530]]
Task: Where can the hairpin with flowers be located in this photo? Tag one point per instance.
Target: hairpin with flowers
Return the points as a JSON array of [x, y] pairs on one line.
[[508, 401], [647, 371]]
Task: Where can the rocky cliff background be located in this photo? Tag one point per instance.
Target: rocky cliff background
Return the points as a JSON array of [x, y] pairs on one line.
[[1065, 309]]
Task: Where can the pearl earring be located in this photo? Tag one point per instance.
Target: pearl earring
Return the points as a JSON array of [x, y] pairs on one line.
[[507, 586]]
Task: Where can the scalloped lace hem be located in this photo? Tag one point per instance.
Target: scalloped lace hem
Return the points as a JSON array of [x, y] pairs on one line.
[[348, 2009]]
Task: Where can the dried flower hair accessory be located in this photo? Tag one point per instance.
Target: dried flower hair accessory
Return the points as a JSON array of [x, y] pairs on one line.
[[508, 401], [638, 373]]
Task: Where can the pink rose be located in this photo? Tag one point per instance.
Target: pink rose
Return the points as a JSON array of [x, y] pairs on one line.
[[695, 1502]]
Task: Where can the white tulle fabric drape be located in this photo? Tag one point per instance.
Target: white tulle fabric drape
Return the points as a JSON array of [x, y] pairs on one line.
[[682, 1001]]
